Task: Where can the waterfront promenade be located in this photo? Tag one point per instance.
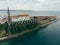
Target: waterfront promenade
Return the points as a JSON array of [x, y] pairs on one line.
[[22, 33], [49, 35]]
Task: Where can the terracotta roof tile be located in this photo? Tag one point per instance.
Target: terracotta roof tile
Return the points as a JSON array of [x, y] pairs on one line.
[[16, 16]]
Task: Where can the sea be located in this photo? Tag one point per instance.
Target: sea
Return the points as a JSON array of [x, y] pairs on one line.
[[3, 13], [49, 35]]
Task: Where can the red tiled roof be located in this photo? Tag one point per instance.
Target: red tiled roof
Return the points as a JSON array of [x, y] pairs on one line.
[[46, 16], [16, 16], [4, 19], [21, 15]]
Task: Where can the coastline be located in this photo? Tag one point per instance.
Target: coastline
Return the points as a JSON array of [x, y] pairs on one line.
[[19, 34]]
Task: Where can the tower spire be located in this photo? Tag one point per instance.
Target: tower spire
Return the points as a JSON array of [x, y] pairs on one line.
[[9, 21]]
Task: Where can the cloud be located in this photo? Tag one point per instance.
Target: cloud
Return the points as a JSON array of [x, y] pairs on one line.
[[30, 4]]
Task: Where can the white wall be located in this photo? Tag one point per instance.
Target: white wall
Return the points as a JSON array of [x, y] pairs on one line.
[[21, 18]]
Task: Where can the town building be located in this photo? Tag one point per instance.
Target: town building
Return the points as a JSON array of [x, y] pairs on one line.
[[20, 17], [15, 18], [48, 17]]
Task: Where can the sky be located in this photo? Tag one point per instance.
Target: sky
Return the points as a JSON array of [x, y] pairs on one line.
[[38, 5]]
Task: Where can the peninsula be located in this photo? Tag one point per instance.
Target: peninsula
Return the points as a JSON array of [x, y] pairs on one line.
[[17, 25]]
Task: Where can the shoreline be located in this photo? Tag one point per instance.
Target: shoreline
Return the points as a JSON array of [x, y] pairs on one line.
[[22, 33]]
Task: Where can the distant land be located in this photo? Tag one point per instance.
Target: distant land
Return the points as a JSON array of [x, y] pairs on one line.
[[3, 13]]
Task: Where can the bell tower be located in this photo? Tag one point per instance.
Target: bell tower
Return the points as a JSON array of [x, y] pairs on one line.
[[9, 21]]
